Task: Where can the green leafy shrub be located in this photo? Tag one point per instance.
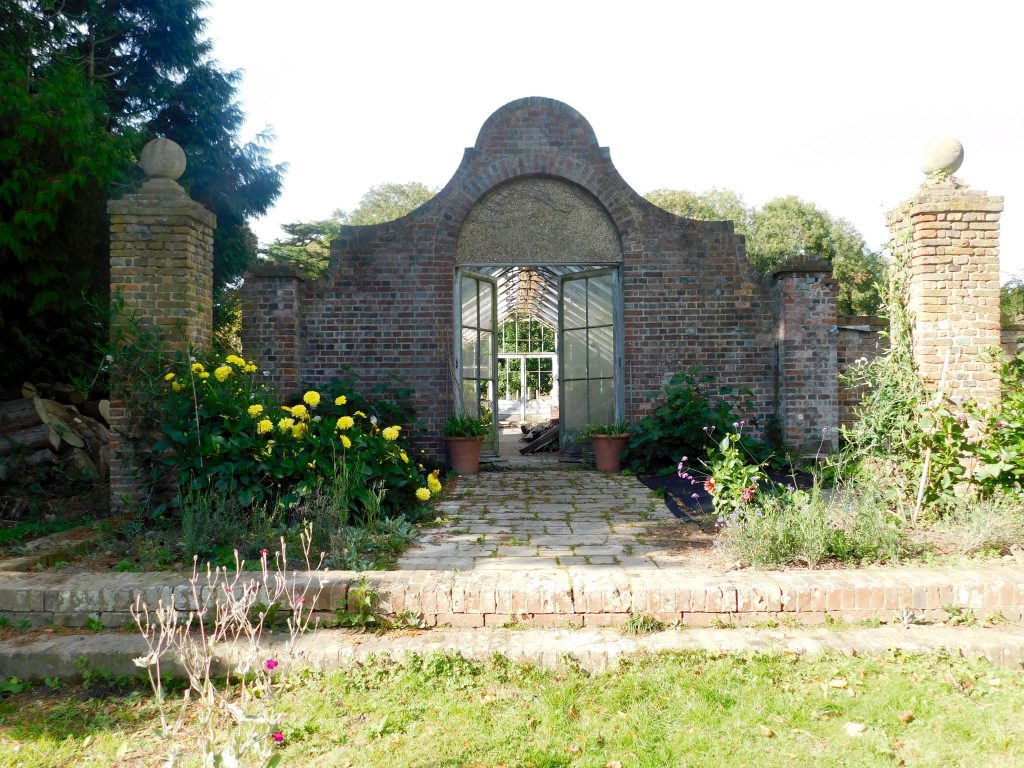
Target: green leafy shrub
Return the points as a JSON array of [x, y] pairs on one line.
[[224, 431], [734, 479], [996, 460], [214, 524], [676, 427], [465, 426], [796, 527]]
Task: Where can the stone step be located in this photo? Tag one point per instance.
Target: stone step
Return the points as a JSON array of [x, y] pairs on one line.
[[595, 649], [578, 595]]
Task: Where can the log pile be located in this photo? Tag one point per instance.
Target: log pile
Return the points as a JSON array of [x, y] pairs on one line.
[[54, 425]]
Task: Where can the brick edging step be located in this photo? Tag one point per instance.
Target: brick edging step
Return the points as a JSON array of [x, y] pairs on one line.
[[559, 597], [595, 649]]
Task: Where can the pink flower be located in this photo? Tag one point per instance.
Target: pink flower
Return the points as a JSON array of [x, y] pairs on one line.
[[747, 494], [264, 552], [300, 600], [709, 485], [270, 664], [277, 736]]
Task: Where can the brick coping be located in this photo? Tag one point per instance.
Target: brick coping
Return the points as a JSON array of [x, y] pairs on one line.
[[592, 596]]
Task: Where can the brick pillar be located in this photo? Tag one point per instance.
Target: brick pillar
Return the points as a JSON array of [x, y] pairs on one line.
[[807, 369], [946, 255], [271, 308], [161, 267]]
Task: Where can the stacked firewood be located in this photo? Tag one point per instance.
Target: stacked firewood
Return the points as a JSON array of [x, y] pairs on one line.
[[54, 424]]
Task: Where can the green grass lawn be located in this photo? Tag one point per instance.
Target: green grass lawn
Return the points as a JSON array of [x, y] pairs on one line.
[[688, 709]]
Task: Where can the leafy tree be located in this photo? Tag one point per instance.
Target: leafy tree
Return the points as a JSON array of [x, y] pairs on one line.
[[787, 227], [85, 84], [308, 245], [389, 201], [712, 205]]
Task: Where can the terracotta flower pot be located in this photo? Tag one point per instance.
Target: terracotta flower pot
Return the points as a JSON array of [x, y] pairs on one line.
[[608, 451], [464, 454]]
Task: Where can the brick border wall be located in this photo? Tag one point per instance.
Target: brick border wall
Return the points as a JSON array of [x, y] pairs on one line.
[[385, 305], [559, 598], [805, 298]]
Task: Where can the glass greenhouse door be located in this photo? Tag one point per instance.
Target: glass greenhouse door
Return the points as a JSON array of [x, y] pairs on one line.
[[588, 350], [477, 351]]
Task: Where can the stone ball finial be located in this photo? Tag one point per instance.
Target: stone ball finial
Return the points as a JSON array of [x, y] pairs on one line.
[[943, 154], [162, 159]]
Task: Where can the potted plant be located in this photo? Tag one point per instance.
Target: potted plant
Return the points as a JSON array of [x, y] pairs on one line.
[[609, 441], [465, 435]]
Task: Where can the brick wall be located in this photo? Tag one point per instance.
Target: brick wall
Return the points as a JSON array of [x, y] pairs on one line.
[[385, 305], [947, 249], [860, 338], [161, 266], [1012, 340], [805, 297]]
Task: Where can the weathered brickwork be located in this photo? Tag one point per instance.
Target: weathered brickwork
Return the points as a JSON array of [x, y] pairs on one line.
[[947, 243], [585, 597], [805, 295], [161, 266], [1012, 340], [385, 305], [859, 340]]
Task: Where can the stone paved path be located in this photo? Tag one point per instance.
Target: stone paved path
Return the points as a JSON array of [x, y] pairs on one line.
[[542, 519]]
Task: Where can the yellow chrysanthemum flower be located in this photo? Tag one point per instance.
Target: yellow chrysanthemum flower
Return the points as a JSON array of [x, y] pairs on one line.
[[222, 372], [423, 494], [311, 398], [404, 457], [433, 483], [235, 360], [346, 422], [177, 386], [250, 368], [264, 426], [204, 375], [345, 442], [359, 413], [390, 433], [299, 412], [340, 400], [255, 410], [299, 430], [169, 377], [285, 424], [197, 368]]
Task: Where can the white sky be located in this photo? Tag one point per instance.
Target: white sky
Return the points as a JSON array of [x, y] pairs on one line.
[[828, 101]]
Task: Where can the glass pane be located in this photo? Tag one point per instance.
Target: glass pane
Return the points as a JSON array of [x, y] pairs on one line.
[[469, 353], [602, 352], [575, 416], [575, 354], [470, 399], [486, 339], [469, 313], [549, 340], [602, 401], [599, 300], [486, 304], [544, 383], [574, 304]]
